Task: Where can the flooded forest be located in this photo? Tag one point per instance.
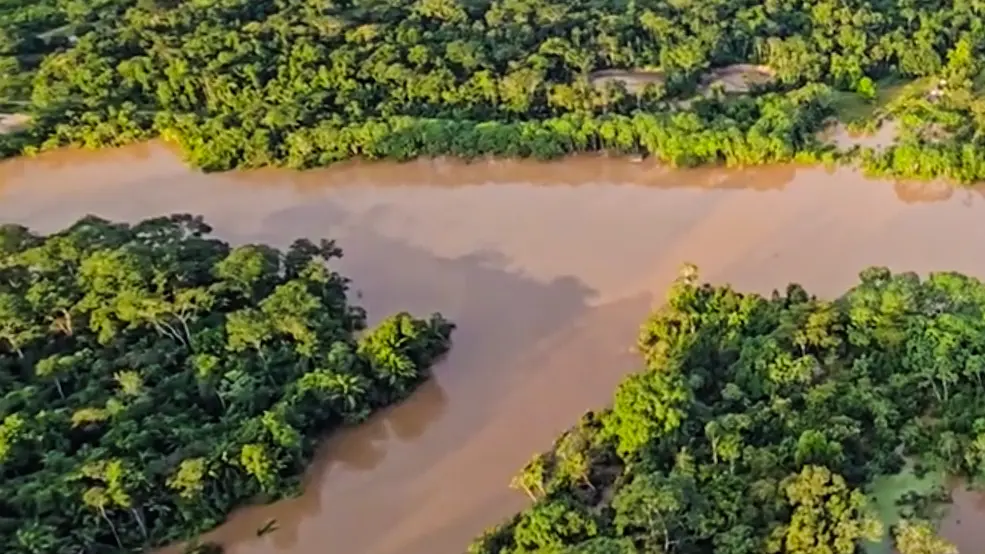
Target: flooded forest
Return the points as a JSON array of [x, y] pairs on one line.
[[496, 277]]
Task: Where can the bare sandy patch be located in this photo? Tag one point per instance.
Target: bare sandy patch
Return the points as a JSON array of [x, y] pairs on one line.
[[738, 78], [840, 136], [634, 80], [13, 122]]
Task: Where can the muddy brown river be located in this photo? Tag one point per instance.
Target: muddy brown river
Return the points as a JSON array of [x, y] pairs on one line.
[[547, 268]]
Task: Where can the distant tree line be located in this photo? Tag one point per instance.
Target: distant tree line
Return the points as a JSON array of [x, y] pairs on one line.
[[241, 83]]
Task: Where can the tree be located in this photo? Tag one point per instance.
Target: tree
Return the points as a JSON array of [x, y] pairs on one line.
[[866, 88], [725, 436], [827, 516], [97, 499], [919, 537], [54, 367], [36, 538], [189, 480], [655, 503], [16, 326], [11, 431], [647, 407], [131, 383], [603, 545], [531, 479], [257, 462], [551, 524], [247, 267], [248, 328]]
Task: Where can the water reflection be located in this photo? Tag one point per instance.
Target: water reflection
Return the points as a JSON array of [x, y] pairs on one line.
[[160, 162], [573, 171], [547, 268]]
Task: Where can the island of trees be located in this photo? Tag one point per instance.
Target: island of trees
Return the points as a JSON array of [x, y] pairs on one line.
[[152, 378], [770, 426], [302, 83]]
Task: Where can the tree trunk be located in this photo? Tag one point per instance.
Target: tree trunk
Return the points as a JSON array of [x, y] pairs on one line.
[[585, 478], [663, 523], [140, 521], [102, 512], [188, 334], [934, 385], [176, 334], [67, 317]]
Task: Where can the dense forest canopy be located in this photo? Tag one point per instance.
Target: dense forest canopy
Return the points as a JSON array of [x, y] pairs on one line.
[[300, 83], [760, 425], [152, 378]]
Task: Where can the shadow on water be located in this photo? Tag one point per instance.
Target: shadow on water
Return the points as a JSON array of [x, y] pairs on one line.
[[589, 357], [159, 162], [376, 476]]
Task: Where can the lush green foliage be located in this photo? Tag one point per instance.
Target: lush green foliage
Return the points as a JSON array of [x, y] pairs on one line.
[[940, 137], [300, 83], [761, 424], [153, 378]]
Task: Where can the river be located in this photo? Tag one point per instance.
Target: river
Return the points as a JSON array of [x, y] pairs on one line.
[[547, 268]]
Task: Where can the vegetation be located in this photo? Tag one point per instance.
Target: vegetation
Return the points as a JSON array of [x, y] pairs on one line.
[[772, 425], [152, 378], [298, 83]]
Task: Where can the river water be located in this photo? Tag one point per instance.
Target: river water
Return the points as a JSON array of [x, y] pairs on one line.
[[547, 268]]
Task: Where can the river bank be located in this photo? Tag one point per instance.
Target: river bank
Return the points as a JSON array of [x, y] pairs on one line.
[[548, 269]]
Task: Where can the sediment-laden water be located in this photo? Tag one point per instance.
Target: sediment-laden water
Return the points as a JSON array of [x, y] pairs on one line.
[[547, 268]]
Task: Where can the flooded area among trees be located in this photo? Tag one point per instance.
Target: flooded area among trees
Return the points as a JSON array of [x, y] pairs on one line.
[[546, 268]]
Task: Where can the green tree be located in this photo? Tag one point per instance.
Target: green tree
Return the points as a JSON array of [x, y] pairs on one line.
[[827, 515], [919, 537]]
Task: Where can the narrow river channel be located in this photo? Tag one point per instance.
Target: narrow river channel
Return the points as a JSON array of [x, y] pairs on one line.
[[548, 269]]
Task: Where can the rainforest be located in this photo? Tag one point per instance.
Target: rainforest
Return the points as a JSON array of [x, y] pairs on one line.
[[153, 378], [298, 83], [772, 425]]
